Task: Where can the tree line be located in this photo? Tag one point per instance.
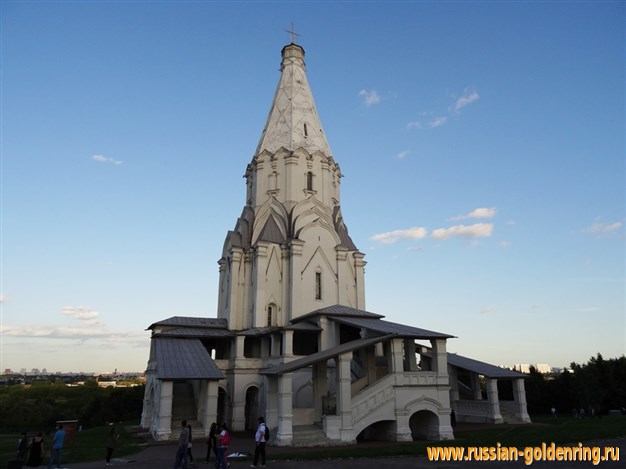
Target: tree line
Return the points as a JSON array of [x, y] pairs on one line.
[[599, 384], [39, 406]]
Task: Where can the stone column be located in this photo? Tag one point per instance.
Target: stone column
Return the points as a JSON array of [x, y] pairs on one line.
[[324, 337], [370, 357], [320, 388], [163, 429], [519, 395], [271, 401], [210, 405], [410, 363], [476, 390], [274, 345], [284, 434], [494, 401], [359, 267], [260, 267], [235, 299], [288, 343], [440, 360], [239, 346], [344, 396], [397, 356]]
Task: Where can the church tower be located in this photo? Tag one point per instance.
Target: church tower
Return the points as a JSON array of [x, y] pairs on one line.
[[289, 253]]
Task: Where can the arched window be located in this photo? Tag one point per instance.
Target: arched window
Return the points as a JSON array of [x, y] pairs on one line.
[[318, 285], [309, 181], [270, 313]]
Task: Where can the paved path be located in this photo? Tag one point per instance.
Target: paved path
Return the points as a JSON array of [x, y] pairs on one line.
[[162, 456]]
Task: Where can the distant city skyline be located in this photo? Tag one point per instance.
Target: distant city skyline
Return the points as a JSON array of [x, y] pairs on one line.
[[481, 143]]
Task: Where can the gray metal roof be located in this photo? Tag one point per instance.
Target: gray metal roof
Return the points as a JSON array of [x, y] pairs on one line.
[[322, 356], [257, 331], [338, 310], [195, 332], [387, 327], [303, 326], [482, 368], [186, 321], [184, 359]]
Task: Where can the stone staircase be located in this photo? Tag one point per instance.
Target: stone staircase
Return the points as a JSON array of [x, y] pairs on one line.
[[184, 408], [310, 435], [509, 417]]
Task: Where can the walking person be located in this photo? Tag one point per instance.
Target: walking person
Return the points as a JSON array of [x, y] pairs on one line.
[[111, 442], [183, 443], [189, 455], [57, 447], [212, 442], [223, 441], [22, 447], [259, 439], [36, 450]]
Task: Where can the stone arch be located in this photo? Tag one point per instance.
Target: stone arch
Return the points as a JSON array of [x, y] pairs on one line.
[[424, 425], [424, 418], [252, 407]]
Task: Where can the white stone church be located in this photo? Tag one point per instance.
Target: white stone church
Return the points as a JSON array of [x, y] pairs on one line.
[[292, 340]]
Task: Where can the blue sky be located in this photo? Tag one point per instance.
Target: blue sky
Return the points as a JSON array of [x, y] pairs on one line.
[[482, 145]]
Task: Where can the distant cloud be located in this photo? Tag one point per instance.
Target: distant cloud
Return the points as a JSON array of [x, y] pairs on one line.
[[454, 110], [504, 244], [3, 298], [487, 310], [414, 248], [467, 98], [391, 237], [402, 155], [478, 213], [106, 159], [370, 97], [414, 125], [437, 122], [80, 312], [603, 228], [592, 309], [478, 230], [61, 332]]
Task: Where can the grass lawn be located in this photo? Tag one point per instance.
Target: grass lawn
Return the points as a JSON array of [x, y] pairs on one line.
[[90, 444]]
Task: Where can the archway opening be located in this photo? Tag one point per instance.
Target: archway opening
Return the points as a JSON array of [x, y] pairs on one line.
[[252, 407], [424, 425]]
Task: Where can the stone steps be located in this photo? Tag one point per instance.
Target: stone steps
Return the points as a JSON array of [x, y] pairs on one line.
[[310, 435]]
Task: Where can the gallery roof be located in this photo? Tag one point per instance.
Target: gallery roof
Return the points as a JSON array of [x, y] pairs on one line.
[[322, 356], [387, 327], [184, 359]]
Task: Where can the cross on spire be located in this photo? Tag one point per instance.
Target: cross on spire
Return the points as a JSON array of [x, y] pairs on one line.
[[293, 33]]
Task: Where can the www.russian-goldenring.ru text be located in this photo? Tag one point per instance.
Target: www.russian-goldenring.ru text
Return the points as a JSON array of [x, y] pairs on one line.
[[546, 452]]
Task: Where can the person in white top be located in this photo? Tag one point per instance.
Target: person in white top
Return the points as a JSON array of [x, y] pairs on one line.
[[259, 438]]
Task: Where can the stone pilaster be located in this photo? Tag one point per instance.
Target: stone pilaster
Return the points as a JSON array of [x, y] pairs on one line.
[[163, 429], [284, 435], [494, 401]]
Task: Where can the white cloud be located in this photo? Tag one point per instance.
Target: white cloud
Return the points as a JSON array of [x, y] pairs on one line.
[[604, 228], [371, 97], [414, 125], [391, 237], [106, 159], [482, 212], [504, 244], [467, 98], [61, 332], [402, 155], [487, 310], [3, 298], [478, 230], [80, 312], [437, 121], [414, 248]]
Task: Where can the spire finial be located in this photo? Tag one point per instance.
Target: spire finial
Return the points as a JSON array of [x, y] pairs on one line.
[[293, 33]]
